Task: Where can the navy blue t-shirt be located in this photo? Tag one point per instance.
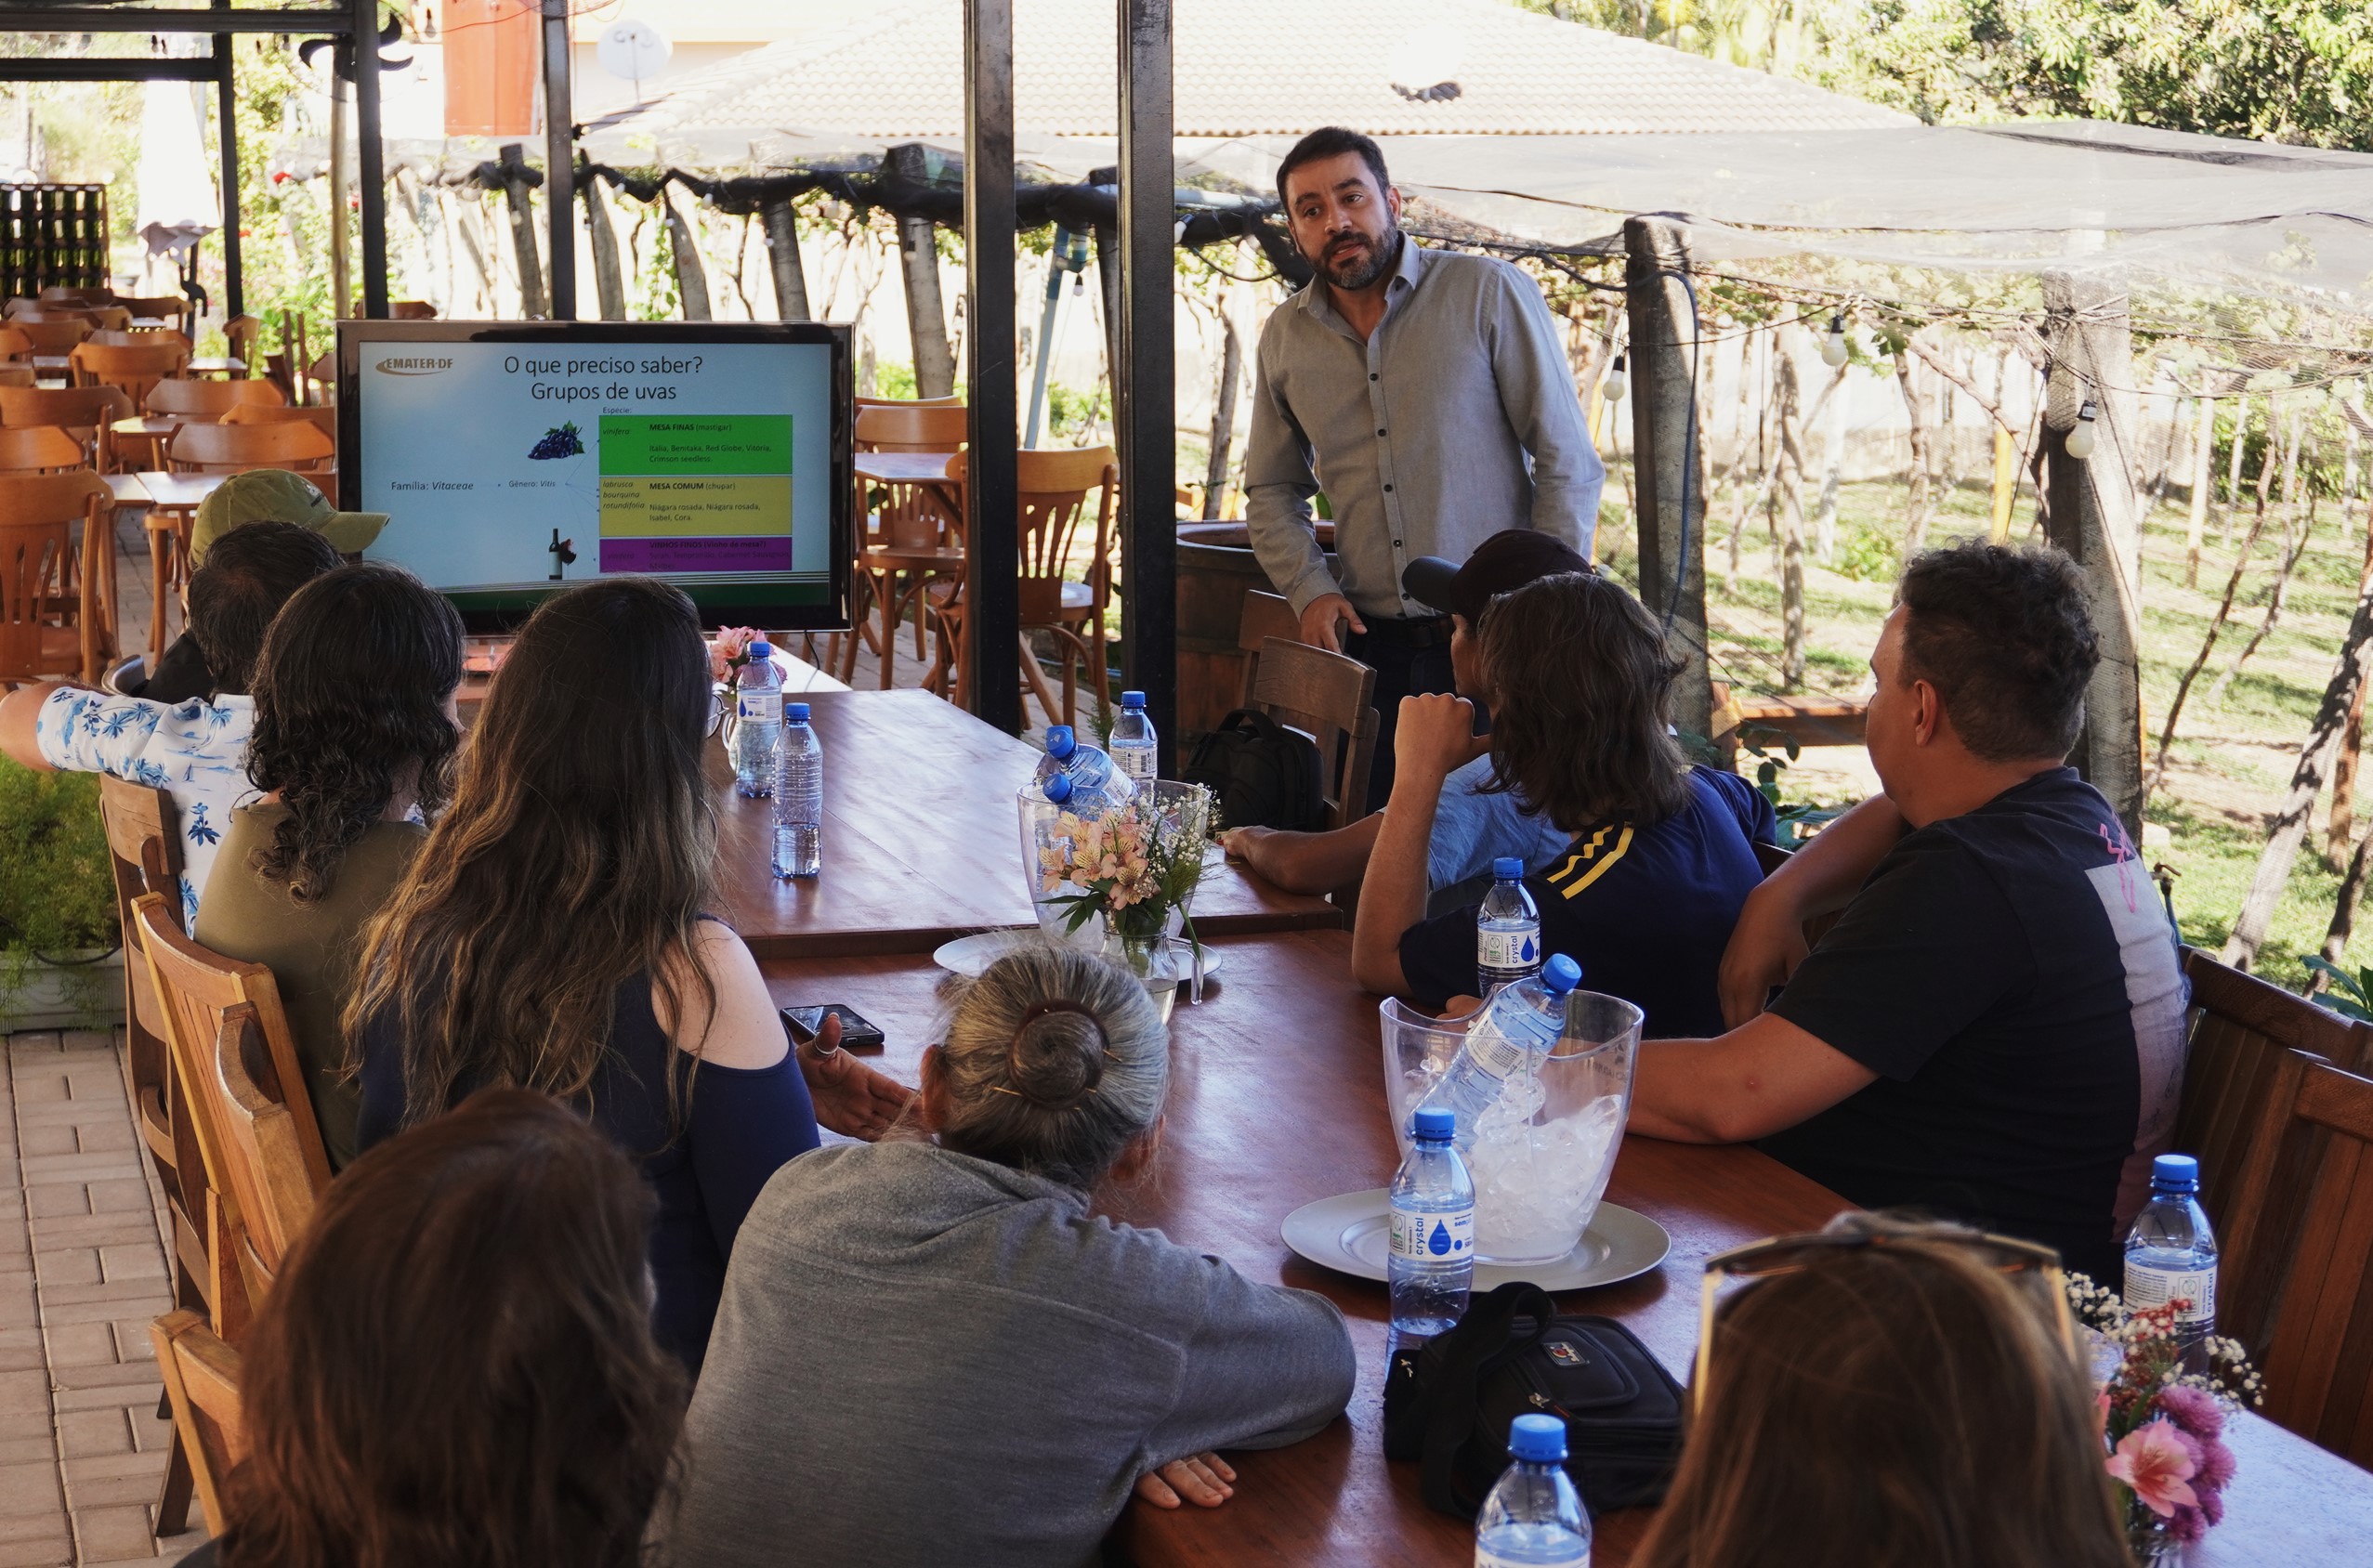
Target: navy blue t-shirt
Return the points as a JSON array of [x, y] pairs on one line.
[[1646, 910]]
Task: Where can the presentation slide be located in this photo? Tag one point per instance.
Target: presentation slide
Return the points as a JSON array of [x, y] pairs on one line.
[[507, 468]]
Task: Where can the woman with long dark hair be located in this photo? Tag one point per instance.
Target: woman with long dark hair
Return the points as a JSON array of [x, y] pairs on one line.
[[554, 933], [456, 1365], [354, 739], [1660, 855]]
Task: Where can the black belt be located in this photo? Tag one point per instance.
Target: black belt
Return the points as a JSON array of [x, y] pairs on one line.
[[1409, 632]]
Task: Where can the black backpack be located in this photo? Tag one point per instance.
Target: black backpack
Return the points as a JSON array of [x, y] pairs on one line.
[[1449, 1404], [1262, 774]]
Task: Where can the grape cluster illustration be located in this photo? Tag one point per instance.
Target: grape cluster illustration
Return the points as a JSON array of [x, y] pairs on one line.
[[563, 441]]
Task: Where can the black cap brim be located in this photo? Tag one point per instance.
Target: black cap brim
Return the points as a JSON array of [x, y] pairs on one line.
[[1429, 581]]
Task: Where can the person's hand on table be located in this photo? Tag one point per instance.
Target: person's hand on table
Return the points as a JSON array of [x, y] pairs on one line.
[[1764, 949], [1436, 738], [1246, 844], [1322, 618], [850, 1098], [1201, 1479]]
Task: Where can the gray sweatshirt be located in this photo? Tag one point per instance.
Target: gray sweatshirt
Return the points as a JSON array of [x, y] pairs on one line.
[[928, 1359]]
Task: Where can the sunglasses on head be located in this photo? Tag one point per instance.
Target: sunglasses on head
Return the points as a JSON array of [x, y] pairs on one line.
[[1783, 1255]]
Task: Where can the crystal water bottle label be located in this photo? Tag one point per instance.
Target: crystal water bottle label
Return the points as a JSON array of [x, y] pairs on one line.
[[1507, 949], [1494, 1052], [1137, 762], [1422, 1238], [1578, 1557], [2147, 1287], [759, 707]]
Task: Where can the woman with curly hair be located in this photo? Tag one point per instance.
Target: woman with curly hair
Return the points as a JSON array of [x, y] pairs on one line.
[[353, 742]]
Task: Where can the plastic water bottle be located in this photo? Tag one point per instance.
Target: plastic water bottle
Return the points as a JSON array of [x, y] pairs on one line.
[[1132, 739], [2170, 1252], [1096, 784], [799, 797], [1507, 930], [1515, 1029], [1431, 1265], [1533, 1517], [757, 732]]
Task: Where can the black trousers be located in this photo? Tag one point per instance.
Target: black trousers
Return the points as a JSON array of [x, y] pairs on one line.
[[1411, 659]]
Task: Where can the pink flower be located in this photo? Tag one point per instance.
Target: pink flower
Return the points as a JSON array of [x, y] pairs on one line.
[[2212, 1508], [730, 651], [2216, 1469], [2158, 1462], [2193, 1409], [2187, 1525]]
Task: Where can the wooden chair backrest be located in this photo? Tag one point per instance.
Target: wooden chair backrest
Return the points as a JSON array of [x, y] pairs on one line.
[[162, 307], [76, 408], [1054, 486], [1265, 616], [135, 367], [240, 335], [52, 335], [322, 416], [44, 577], [208, 398], [199, 988], [2308, 1182], [1328, 698], [952, 400], [260, 1122], [230, 449], [15, 344], [136, 816], [202, 1383], [32, 449], [911, 427], [69, 294]]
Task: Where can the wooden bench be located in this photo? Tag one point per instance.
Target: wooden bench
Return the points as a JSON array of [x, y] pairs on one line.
[[1808, 721]]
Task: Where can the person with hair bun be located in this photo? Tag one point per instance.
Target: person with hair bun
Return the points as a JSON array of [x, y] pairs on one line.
[[931, 1351]]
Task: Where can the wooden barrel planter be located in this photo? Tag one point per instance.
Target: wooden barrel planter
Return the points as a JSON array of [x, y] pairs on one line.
[[1215, 571]]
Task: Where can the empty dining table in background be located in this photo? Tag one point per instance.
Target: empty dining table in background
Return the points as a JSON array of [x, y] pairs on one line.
[[922, 840]]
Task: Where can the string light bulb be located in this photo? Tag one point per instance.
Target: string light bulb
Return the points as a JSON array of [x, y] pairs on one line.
[[2083, 433], [1612, 387], [1834, 351]]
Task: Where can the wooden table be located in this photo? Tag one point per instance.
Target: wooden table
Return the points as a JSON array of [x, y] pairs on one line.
[[217, 364], [922, 842], [173, 500], [151, 430], [1277, 1099]]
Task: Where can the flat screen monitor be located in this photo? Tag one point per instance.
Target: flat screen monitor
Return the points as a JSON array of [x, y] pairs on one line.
[[513, 458]]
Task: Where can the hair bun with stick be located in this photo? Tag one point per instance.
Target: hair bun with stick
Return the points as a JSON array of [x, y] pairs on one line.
[[1056, 1059]]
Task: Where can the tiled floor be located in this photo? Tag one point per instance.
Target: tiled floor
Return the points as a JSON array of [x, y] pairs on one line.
[[81, 1275]]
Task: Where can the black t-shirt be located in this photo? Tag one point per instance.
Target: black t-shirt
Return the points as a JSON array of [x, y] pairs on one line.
[[1646, 910], [2011, 978], [180, 675]]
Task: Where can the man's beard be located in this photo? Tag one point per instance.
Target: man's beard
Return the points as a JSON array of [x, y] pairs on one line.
[[1357, 267]]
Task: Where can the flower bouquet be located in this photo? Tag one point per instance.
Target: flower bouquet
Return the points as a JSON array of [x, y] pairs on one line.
[[730, 654], [2163, 1424], [1134, 868]]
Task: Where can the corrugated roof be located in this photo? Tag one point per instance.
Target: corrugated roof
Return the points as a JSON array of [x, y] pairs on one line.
[[1252, 68]]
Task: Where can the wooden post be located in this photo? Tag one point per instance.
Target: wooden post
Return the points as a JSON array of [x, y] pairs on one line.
[[610, 279], [926, 315], [782, 253], [2091, 512], [993, 542], [2006, 484], [684, 250], [234, 272], [2204, 441], [1231, 371], [516, 186], [1669, 460], [341, 276], [1145, 411]]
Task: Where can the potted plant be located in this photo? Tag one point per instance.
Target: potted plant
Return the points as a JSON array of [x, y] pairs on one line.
[[61, 963]]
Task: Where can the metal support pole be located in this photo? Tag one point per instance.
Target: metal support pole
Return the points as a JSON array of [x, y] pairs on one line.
[[559, 162], [373, 161], [2092, 511], [234, 283], [1058, 263], [1145, 395], [1669, 460], [993, 542]]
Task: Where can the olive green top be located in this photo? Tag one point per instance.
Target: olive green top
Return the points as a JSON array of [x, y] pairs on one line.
[[310, 949]]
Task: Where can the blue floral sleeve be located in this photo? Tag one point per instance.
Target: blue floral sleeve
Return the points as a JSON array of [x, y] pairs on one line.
[[93, 732]]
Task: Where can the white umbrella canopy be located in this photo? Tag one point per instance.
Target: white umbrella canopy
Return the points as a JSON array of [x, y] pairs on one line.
[[178, 201]]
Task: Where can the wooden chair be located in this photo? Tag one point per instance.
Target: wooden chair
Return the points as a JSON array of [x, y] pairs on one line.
[[322, 416], [167, 308], [1265, 616], [234, 449], [38, 449], [240, 335], [252, 1210], [2306, 1245], [137, 367], [1330, 698], [57, 599], [1054, 489], [909, 553], [83, 412], [953, 401], [271, 1163], [50, 336], [201, 1376], [68, 295], [209, 400], [15, 344], [902, 427]]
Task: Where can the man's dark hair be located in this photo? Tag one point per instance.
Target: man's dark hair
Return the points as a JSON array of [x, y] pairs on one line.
[[247, 575], [1331, 141], [2005, 637]]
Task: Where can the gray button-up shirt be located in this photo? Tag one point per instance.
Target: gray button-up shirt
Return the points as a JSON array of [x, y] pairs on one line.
[[1421, 434]]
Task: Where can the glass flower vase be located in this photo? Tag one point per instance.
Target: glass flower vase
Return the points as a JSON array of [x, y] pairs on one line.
[[1152, 959]]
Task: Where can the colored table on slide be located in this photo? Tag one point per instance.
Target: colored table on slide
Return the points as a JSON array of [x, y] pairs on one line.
[[696, 492]]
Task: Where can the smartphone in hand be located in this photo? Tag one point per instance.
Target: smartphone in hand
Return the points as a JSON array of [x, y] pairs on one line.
[[857, 1034]]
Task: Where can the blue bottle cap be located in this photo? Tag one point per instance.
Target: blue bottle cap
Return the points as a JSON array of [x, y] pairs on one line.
[[1561, 974], [794, 712], [762, 649], [1508, 868], [1060, 742], [2179, 1173], [1058, 789], [1538, 1440], [1132, 700], [1434, 1124]]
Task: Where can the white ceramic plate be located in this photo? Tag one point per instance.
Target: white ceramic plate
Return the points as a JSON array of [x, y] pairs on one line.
[[968, 956], [1347, 1234]]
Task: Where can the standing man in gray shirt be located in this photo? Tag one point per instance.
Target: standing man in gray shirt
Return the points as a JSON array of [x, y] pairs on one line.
[[1427, 391]]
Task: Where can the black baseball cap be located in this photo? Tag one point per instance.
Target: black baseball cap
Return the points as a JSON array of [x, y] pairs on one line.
[[1502, 564]]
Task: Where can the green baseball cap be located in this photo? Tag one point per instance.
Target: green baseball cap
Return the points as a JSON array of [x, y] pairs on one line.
[[275, 495]]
